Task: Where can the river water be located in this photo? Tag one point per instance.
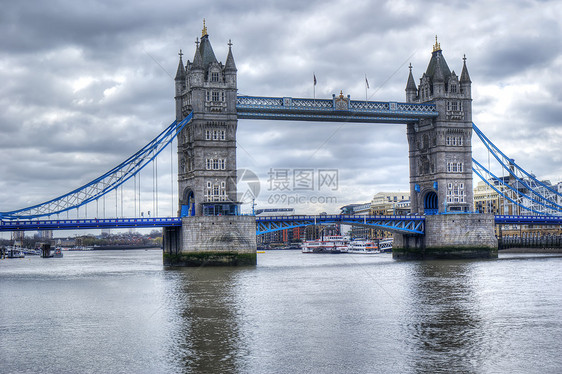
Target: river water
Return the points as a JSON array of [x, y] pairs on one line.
[[122, 312]]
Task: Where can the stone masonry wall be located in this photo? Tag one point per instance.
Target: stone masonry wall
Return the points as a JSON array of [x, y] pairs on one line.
[[219, 234], [460, 230]]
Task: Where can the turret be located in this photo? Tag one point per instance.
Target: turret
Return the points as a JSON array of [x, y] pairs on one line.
[[465, 81], [411, 89], [230, 67], [180, 80]]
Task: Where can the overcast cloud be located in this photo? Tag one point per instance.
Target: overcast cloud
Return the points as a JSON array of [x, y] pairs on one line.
[[85, 84]]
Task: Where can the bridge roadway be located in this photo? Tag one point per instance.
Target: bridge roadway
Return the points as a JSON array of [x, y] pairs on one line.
[[400, 224]]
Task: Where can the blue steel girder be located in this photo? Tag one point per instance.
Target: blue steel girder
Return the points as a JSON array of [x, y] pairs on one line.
[[297, 109], [82, 224], [413, 225], [527, 220]]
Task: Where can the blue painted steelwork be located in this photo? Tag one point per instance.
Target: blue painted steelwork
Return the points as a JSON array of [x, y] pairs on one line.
[[82, 224], [104, 184], [398, 224], [296, 109], [479, 170], [528, 220], [512, 168]]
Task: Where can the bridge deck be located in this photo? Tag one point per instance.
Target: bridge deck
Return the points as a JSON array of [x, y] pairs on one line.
[[335, 110], [403, 224]]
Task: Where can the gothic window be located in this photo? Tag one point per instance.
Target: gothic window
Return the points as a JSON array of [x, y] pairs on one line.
[[215, 164], [455, 167], [214, 76], [215, 96], [208, 96], [216, 191], [453, 88], [455, 192], [448, 141], [207, 134]]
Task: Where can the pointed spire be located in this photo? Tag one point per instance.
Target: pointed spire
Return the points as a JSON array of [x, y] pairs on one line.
[[230, 65], [180, 74], [439, 76], [437, 68], [411, 85], [465, 78], [197, 59], [206, 50]]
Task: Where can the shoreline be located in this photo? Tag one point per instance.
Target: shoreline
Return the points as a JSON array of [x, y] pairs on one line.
[[530, 250]]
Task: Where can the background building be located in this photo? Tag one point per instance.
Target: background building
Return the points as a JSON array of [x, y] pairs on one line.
[[390, 203]]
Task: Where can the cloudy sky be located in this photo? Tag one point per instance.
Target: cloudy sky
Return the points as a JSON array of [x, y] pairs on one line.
[[85, 84]]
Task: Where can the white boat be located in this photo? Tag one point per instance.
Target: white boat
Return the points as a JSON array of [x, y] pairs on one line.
[[363, 247], [328, 244], [15, 251]]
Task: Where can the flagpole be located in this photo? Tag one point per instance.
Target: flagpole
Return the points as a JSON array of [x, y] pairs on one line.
[[366, 87], [314, 86]]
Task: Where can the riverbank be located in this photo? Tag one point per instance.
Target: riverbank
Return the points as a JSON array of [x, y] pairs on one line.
[[531, 250]]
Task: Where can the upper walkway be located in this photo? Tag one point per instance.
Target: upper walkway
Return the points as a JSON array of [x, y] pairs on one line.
[[337, 109]]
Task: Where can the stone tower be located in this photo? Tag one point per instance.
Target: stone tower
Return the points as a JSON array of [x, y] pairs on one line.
[[207, 145], [212, 231], [440, 150], [440, 154]]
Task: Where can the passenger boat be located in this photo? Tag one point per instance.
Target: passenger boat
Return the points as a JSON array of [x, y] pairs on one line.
[[15, 251], [328, 244], [363, 247]]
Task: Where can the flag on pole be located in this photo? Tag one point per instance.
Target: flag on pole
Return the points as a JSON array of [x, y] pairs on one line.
[[366, 81], [314, 75]]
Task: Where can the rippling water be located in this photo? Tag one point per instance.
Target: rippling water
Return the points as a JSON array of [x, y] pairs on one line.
[[122, 312]]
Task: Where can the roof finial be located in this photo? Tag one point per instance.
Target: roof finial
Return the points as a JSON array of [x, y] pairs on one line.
[[410, 67], [181, 54], [204, 31], [197, 42], [437, 46], [229, 43], [464, 58]]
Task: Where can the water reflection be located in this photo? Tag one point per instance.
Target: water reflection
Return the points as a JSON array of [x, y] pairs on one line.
[[207, 336], [443, 325]]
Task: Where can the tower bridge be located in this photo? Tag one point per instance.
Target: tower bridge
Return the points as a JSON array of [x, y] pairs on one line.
[[209, 228], [438, 117]]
